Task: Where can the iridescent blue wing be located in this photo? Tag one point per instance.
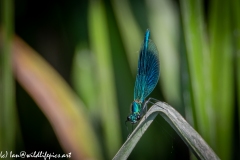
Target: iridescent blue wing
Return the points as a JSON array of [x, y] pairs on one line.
[[148, 69]]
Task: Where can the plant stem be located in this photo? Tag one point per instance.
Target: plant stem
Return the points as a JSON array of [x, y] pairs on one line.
[[7, 97]]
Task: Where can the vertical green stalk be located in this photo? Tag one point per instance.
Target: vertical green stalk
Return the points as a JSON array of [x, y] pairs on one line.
[[7, 99], [129, 30], [100, 44], [84, 78], [199, 64], [164, 26], [222, 74]]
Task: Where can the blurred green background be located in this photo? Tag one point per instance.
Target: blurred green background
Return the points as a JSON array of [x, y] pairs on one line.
[[93, 47]]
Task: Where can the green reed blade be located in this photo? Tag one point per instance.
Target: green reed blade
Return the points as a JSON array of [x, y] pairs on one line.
[[222, 74], [199, 66], [100, 45], [164, 26], [7, 94], [130, 31]]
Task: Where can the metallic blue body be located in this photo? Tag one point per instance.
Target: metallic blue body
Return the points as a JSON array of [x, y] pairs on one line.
[[147, 77]]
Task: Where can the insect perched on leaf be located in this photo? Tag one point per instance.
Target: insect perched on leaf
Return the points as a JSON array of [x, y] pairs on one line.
[[147, 77]]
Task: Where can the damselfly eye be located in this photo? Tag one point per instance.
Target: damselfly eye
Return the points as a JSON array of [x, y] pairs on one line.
[[128, 118], [138, 117]]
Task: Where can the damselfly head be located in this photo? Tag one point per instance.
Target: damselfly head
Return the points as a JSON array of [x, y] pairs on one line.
[[134, 118]]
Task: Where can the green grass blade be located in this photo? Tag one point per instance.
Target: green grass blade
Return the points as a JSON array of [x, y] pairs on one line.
[[192, 139], [84, 79], [199, 67], [100, 44], [7, 95], [222, 74], [164, 26], [130, 31]]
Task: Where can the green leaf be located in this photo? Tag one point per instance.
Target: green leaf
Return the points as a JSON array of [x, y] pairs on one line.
[[100, 46], [84, 79], [7, 88], [221, 49], [199, 67], [164, 26], [130, 31]]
